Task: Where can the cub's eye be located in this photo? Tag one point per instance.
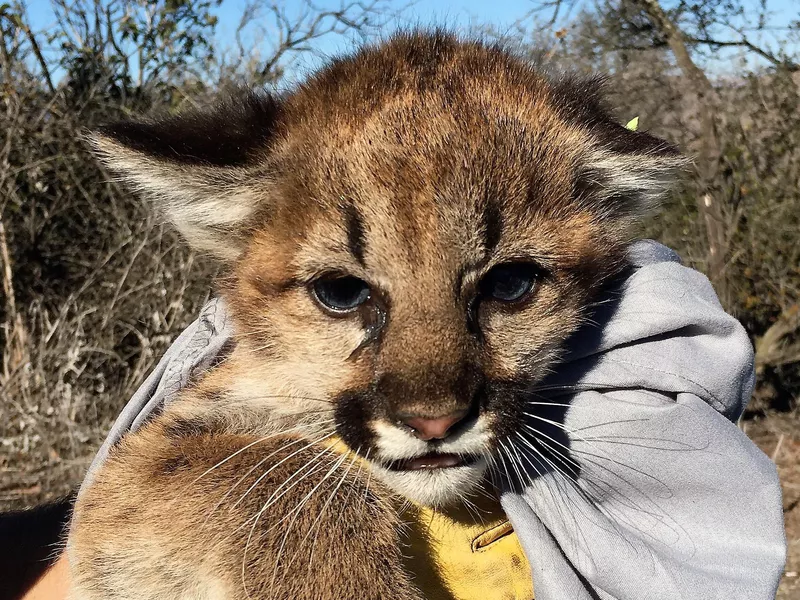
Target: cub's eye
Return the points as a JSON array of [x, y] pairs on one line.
[[509, 282], [341, 294]]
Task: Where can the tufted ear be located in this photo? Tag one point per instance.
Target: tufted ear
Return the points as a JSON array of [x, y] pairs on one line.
[[629, 172], [625, 172], [195, 166]]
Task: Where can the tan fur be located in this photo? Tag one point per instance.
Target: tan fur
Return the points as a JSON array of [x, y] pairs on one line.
[[170, 533], [429, 141]]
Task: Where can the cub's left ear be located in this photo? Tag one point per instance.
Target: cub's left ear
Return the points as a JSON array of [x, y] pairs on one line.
[[625, 173], [196, 166], [631, 172]]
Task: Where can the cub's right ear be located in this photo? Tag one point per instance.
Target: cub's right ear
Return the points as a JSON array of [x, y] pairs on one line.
[[195, 166]]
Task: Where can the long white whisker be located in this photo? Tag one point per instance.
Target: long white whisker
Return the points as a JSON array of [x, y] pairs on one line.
[[239, 451], [606, 488], [279, 463], [569, 482], [266, 505], [247, 474], [296, 512], [603, 456], [325, 506]]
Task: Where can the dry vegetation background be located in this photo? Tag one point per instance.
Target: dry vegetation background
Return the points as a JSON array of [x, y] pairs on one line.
[[94, 287]]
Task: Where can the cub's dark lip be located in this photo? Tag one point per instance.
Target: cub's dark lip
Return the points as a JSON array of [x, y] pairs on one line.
[[432, 460]]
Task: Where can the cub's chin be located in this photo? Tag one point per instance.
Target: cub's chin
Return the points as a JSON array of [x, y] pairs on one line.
[[432, 485]]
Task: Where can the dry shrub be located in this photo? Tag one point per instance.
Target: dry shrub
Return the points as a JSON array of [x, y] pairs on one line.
[[95, 287]]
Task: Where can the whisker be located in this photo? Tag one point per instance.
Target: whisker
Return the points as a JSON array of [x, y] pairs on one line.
[[567, 461], [566, 479], [276, 465], [266, 505], [472, 509], [238, 452], [310, 467], [613, 516], [563, 428], [289, 397], [357, 480], [324, 508], [369, 480], [538, 432], [296, 512], [246, 475], [604, 488]]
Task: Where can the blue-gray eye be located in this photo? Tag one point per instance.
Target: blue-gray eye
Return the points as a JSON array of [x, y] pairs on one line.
[[509, 282], [341, 294]]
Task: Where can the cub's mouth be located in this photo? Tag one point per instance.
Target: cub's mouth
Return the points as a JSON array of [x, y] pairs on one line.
[[433, 460], [431, 470]]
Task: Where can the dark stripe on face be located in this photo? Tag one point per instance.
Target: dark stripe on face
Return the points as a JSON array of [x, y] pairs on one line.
[[353, 412], [492, 225], [356, 238]]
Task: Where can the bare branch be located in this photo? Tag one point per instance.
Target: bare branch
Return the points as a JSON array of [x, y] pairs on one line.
[[555, 7], [713, 212], [295, 32], [745, 43], [37, 52]]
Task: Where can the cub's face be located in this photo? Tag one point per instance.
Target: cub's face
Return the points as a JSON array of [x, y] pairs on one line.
[[411, 237]]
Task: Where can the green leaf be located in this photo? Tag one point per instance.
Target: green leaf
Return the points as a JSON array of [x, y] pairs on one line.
[[633, 124]]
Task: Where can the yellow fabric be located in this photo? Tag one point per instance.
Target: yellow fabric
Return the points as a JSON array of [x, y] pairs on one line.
[[455, 555], [460, 554]]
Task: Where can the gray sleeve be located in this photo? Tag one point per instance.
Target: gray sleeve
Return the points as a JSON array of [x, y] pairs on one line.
[[191, 353], [672, 502], [638, 483]]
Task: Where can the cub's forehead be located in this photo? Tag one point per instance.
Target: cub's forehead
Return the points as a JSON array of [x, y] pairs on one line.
[[425, 129], [419, 180], [426, 122], [431, 139], [424, 98]]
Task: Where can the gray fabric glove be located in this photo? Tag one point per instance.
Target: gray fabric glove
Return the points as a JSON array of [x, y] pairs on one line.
[[630, 480]]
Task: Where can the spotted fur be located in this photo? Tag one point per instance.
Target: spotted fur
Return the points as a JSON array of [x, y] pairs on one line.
[[417, 166]]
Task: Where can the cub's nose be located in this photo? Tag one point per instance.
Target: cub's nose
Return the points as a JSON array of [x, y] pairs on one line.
[[437, 428]]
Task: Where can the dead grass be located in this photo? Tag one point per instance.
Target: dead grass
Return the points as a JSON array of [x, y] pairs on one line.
[[778, 435]]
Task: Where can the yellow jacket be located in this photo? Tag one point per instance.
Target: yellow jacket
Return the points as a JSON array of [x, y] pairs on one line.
[[456, 554]]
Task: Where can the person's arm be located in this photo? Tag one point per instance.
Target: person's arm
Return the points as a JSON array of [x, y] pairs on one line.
[[53, 584], [31, 564]]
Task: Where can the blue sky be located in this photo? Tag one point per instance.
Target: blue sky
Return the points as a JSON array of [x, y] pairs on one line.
[[457, 14], [500, 14], [497, 12]]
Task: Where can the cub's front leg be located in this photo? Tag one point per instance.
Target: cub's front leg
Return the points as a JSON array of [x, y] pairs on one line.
[[280, 519]]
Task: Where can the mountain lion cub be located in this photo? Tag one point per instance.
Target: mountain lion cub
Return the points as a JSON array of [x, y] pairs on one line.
[[409, 238]]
